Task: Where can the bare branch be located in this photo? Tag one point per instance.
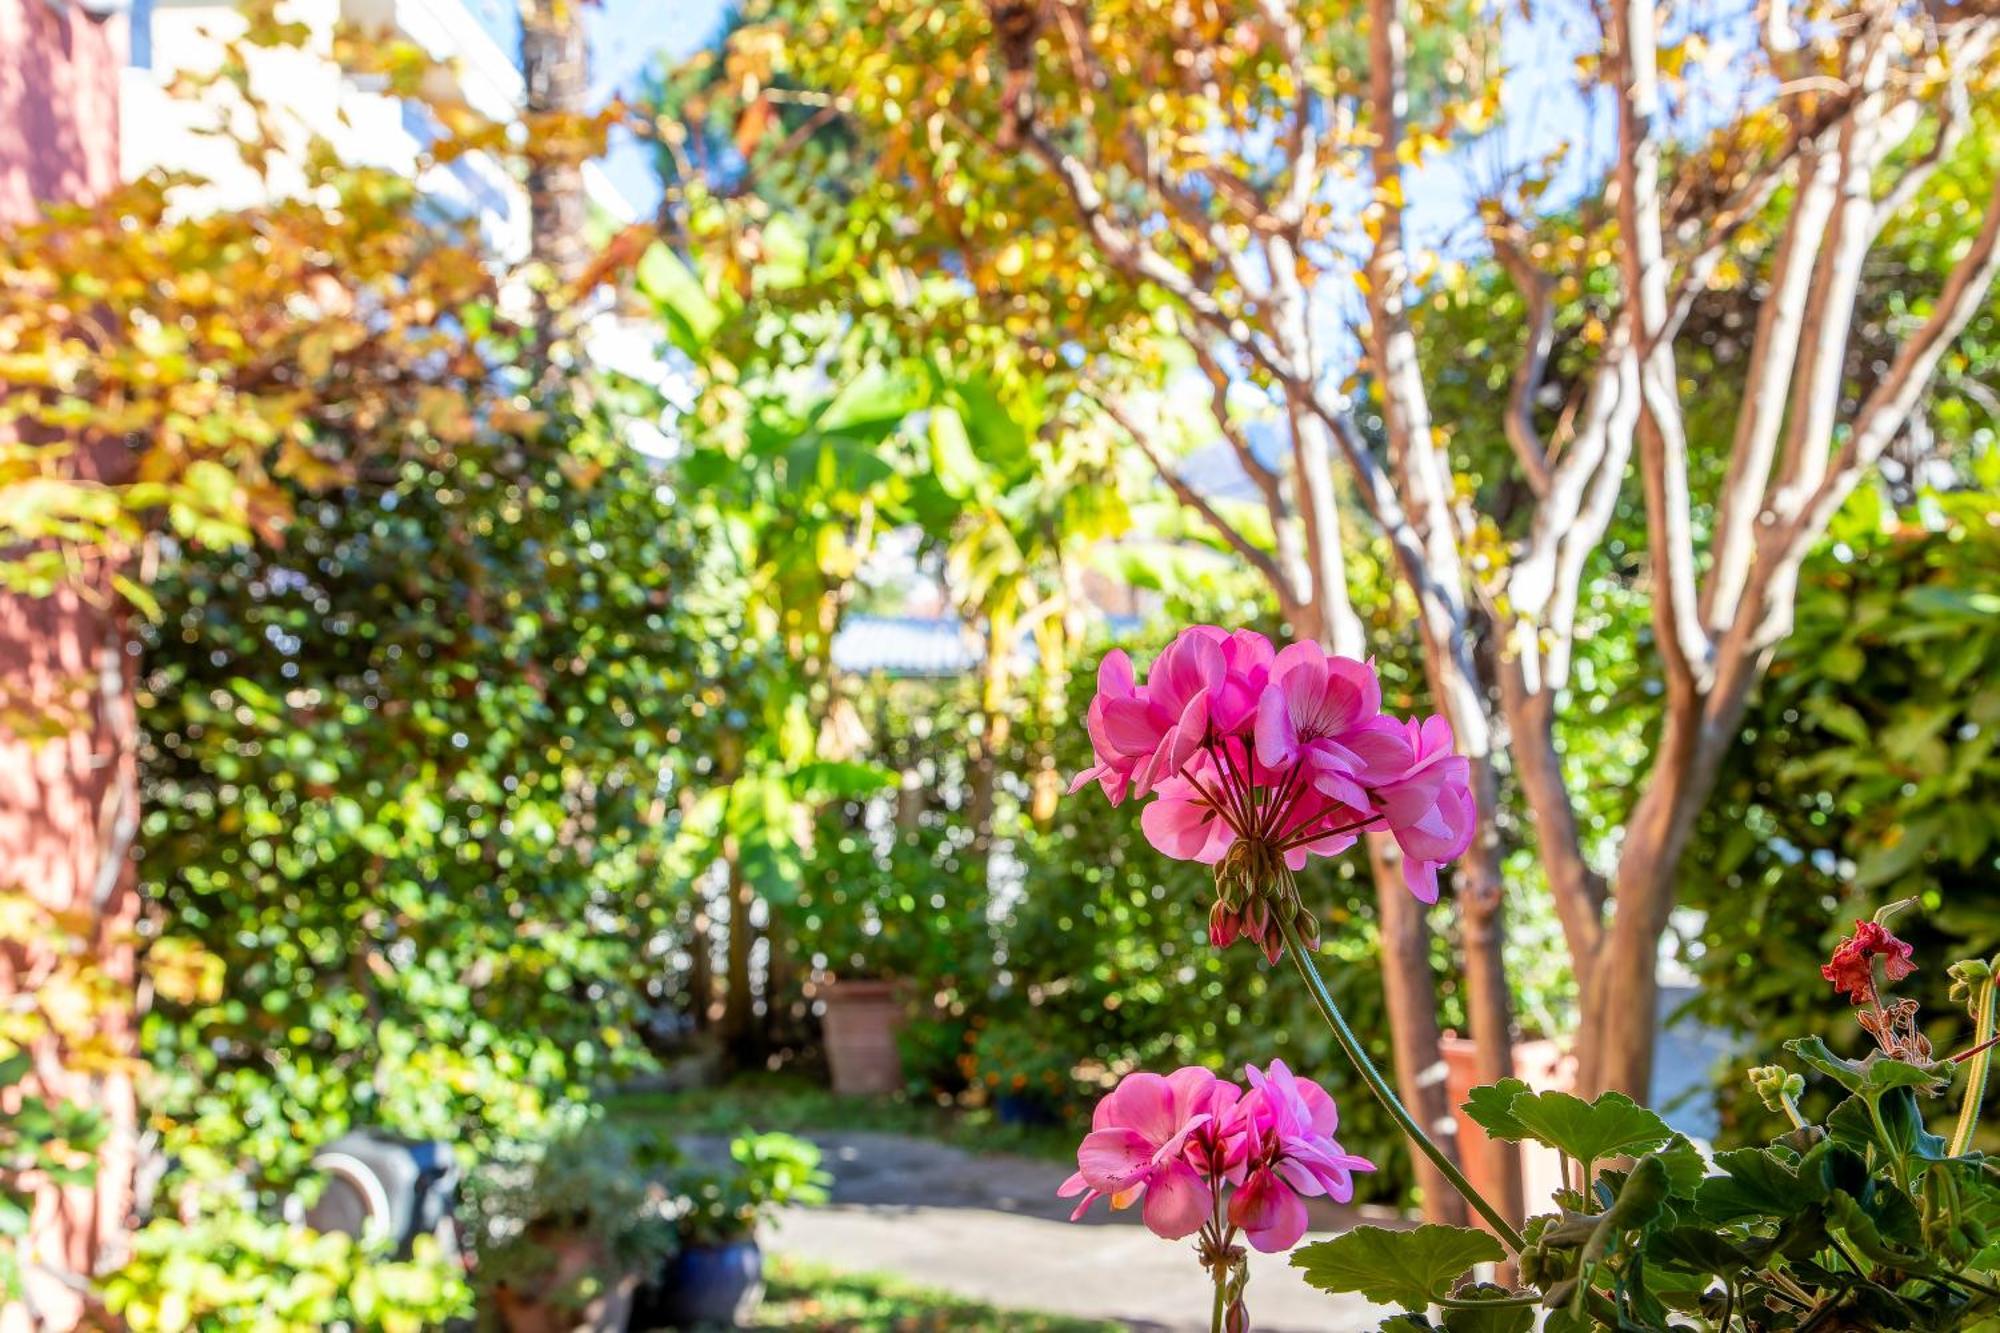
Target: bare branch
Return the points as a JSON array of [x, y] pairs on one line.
[[1254, 555], [1538, 291], [1765, 615], [1301, 136], [1829, 313], [1130, 253], [1683, 643], [1780, 321], [1953, 118]]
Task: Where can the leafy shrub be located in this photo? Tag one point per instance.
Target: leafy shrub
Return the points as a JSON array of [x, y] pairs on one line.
[[231, 1270], [400, 780], [768, 1171], [1868, 771], [599, 1187]]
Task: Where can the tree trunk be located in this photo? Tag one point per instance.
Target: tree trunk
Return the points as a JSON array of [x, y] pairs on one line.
[[739, 1004], [555, 67], [1414, 1037], [68, 819], [1489, 1003], [69, 806], [701, 967], [1408, 991], [1424, 480]]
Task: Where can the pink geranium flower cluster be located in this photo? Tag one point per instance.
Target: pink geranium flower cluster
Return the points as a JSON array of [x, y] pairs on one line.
[[1182, 1142], [1258, 758]]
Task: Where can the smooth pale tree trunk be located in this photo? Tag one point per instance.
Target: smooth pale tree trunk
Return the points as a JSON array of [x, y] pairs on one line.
[[1424, 478], [555, 70]]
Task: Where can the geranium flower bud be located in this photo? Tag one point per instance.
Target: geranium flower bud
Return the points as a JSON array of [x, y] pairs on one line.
[[1224, 925]]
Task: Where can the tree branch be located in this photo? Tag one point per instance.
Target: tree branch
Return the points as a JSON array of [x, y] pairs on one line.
[[1258, 558], [1538, 292], [1683, 643], [1773, 349]]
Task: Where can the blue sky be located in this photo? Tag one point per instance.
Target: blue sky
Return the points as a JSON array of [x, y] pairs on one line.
[[628, 37]]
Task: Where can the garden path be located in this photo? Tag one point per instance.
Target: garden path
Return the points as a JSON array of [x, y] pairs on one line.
[[988, 1226]]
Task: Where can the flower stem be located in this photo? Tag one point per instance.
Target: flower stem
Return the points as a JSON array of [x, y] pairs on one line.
[[1386, 1095], [1975, 1077]]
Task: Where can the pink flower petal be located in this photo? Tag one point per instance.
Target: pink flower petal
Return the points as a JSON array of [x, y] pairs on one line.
[[1114, 1160], [1178, 1201], [1277, 738], [1269, 1211]]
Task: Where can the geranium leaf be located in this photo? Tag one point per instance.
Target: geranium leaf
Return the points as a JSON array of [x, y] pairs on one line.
[[1884, 1073], [1756, 1182], [1814, 1052], [1406, 1268], [1685, 1165], [1491, 1108], [1612, 1126]]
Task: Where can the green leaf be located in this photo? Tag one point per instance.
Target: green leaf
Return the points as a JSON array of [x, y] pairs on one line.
[[1693, 1248], [1813, 1051], [1640, 1200], [1865, 1233], [1406, 1268], [1491, 1108], [1759, 1182], [1903, 1124], [1612, 1126], [1884, 1073], [957, 468], [691, 317], [1686, 1167], [840, 779]]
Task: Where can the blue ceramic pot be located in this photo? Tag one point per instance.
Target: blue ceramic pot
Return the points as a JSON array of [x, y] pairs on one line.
[[1025, 1111], [710, 1285]]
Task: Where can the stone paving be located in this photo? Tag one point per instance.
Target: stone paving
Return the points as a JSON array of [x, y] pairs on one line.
[[988, 1226]]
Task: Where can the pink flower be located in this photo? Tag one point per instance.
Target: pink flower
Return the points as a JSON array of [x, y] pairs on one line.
[[1247, 661], [1139, 1144], [1120, 726], [1183, 1139], [1286, 1153], [1429, 806], [1258, 761], [1182, 823], [1313, 702]]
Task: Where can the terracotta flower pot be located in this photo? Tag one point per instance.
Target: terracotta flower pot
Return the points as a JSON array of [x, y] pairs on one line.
[[861, 1021], [534, 1310]]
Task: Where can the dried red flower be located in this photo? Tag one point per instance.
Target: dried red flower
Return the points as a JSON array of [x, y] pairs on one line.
[[1852, 967]]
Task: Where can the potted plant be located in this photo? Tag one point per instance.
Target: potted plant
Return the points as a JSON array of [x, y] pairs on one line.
[[883, 961], [716, 1275], [1029, 1080], [567, 1237]]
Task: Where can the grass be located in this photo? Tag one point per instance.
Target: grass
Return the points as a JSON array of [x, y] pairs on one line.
[[811, 1299], [787, 1102]]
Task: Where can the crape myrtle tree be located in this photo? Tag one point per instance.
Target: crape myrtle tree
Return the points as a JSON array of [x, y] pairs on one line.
[[1242, 168]]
